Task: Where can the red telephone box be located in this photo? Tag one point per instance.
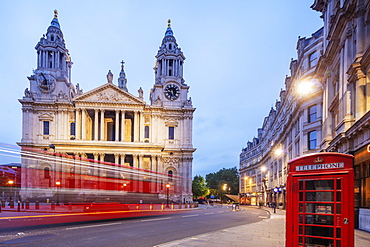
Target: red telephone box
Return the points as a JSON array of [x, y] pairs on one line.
[[320, 201]]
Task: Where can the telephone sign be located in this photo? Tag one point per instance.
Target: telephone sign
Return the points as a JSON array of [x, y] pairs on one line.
[[320, 201]]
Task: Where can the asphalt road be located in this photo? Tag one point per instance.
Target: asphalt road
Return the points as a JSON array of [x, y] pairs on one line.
[[147, 231]]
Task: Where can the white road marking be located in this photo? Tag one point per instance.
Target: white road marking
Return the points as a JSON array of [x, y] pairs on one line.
[[80, 227], [193, 215], [209, 213], [167, 218], [263, 217]]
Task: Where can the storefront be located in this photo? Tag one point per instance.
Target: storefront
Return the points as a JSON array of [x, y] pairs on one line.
[[362, 187]]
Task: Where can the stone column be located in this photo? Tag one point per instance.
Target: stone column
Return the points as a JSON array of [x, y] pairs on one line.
[[117, 126], [78, 125], [141, 127], [102, 136], [122, 126], [122, 159], [83, 125], [136, 126], [96, 125]]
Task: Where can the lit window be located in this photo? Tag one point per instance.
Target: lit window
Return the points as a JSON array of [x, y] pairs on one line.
[[46, 127], [312, 111], [171, 133], [312, 140]]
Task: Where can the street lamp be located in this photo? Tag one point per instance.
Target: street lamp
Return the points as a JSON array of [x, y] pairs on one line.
[[57, 183], [11, 182], [224, 188], [168, 192]]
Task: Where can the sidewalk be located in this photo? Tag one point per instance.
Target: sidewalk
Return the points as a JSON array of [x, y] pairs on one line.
[[266, 233]]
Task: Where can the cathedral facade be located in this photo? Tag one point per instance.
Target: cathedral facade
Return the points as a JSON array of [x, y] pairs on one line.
[[106, 127]]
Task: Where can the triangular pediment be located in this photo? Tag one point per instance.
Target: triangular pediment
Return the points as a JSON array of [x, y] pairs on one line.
[[109, 93]]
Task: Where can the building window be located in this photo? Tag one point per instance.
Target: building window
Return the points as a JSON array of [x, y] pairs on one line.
[[312, 140], [146, 132], [46, 127], [312, 113], [47, 172], [312, 60], [171, 133], [73, 129], [170, 175]]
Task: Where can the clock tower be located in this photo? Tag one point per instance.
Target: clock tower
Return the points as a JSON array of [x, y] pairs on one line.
[[52, 77], [169, 89]]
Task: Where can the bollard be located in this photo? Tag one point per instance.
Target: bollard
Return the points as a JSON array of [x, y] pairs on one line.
[[37, 205], [52, 205], [19, 206], [27, 204], [22, 204], [69, 206]]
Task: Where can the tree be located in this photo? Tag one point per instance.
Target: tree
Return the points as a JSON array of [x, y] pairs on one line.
[[199, 187], [217, 180]]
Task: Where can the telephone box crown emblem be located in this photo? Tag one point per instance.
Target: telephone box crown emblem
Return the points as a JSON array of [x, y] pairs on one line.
[[318, 160]]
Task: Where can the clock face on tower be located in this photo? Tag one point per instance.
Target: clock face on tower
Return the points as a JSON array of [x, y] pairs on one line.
[[172, 91], [46, 82]]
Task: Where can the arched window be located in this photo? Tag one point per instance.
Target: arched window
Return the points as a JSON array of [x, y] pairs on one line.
[[170, 174], [52, 38], [46, 172]]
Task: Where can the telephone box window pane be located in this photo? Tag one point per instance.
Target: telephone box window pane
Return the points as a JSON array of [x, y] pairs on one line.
[[338, 243], [339, 196], [300, 241], [320, 208], [300, 196], [301, 207], [320, 196], [301, 230], [320, 185], [339, 184], [338, 233], [319, 220], [319, 231], [338, 209], [301, 218], [300, 185], [318, 241]]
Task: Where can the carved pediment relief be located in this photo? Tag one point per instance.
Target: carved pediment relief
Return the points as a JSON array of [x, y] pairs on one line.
[[109, 93], [46, 117]]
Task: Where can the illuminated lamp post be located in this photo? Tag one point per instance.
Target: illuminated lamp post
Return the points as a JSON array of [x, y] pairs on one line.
[[11, 182], [224, 188], [168, 192], [57, 183]]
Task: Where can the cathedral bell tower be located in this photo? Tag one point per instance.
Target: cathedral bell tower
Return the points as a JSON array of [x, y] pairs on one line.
[[169, 89], [51, 79]]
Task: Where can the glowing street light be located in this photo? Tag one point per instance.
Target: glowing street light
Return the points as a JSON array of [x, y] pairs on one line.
[[57, 183], [11, 182], [168, 191]]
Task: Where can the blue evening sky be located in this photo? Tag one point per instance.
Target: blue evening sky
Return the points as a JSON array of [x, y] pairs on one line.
[[238, 54]]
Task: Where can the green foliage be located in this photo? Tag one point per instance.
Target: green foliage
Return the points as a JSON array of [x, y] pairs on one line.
[[217, 180], [199, 187]]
